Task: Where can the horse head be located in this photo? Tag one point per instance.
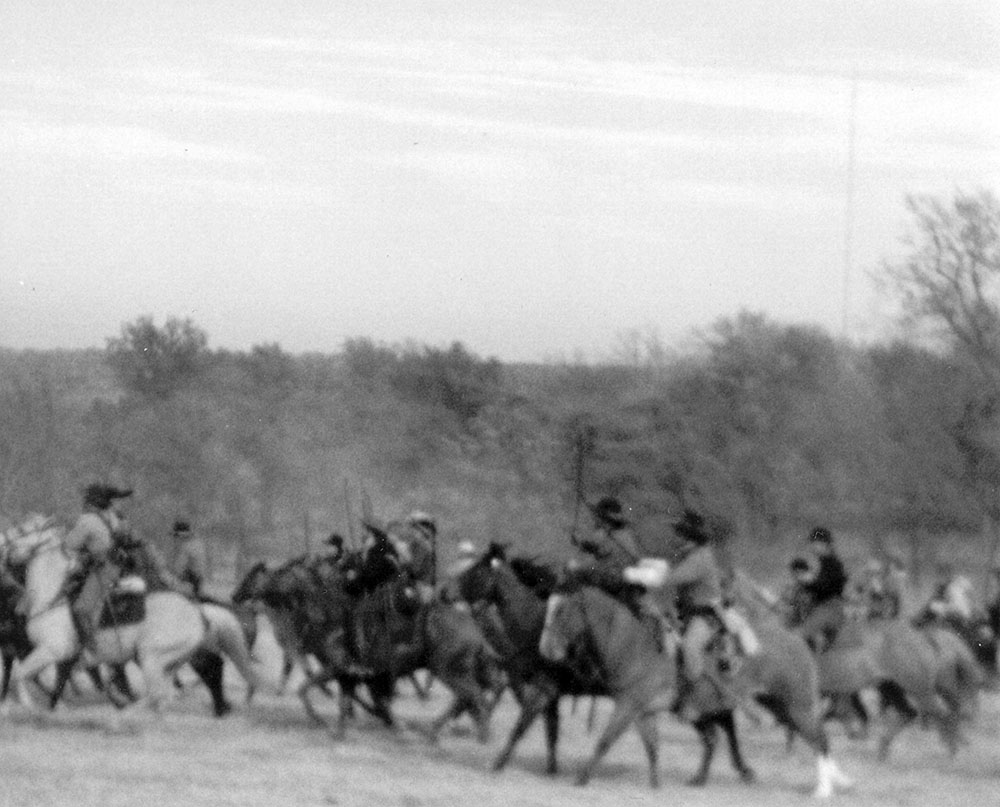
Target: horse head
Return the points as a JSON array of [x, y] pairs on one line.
[[25, 540], [477, 582], [250, 587]]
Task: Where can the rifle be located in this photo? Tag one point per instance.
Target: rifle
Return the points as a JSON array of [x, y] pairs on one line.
[[350, 517]]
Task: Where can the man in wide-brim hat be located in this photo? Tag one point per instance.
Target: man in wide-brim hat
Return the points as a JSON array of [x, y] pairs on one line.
[[90, 542], [696, 583], [612, 546]]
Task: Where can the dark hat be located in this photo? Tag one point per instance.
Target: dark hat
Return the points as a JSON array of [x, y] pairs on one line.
[[609, 511], [335, 539], [691, 527], [419, 518], [181, 527], [820, 535], [101, 496]]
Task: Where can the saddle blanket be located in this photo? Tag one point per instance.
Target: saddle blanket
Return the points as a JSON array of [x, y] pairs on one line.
[[126, 605]]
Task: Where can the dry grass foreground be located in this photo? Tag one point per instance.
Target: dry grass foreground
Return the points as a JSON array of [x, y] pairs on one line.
[[267, 754]]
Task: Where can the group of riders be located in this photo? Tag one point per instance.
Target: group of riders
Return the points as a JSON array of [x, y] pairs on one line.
[[687, 597]]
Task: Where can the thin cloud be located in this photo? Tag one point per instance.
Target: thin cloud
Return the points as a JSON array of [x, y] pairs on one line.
[[80, 141]]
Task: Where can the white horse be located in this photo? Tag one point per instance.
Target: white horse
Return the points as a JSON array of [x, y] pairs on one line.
[[172, 629]]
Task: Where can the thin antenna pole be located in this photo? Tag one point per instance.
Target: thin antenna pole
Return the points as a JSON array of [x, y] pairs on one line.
[[852, 133]]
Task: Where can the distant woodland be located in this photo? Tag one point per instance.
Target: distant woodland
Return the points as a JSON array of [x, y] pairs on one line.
[[770, 428]]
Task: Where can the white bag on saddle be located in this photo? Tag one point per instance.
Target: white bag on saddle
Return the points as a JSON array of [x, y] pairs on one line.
[[650, 573]]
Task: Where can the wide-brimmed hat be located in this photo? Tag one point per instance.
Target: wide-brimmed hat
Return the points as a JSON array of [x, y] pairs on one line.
[[335, 539], [421, 519], [609, 511], [691, 527], [101, 496]]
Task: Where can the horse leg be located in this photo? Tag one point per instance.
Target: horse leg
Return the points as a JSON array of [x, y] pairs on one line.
[[900, 714], [209, 668], [423, 690], [861, 714], [36, 661], [287, 665], [120, 690], [552, 736], [455, 709], [705, 726], [8, 667], [532, 704], [64, 671], [649, 733], [623, 715], [303, 693], [728, 723], [159, 682]]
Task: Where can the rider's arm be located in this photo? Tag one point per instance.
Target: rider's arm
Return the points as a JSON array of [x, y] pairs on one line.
[[89, 536], [696, 566]]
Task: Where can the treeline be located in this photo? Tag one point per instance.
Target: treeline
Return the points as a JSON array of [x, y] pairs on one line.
[[768, 427]]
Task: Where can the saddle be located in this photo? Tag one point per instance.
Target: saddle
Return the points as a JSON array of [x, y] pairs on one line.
[[126, 605]]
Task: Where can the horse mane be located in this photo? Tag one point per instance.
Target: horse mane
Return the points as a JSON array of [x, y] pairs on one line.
[[540, 578]]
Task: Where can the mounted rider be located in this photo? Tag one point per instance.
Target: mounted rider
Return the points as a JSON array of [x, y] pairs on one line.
[[190, 558], [696, 582], [91, 540], [610, 550], [379, 561], [825, 587], [416, 546]]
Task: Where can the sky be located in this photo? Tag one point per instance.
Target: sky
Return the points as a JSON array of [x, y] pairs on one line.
[[536, 180]]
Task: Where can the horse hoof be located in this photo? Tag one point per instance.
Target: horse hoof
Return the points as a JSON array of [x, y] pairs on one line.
[[747, 776], [581, 780], [223, 709], [697, 781]]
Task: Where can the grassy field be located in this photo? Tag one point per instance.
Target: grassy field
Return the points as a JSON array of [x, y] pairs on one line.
[[267, 754]]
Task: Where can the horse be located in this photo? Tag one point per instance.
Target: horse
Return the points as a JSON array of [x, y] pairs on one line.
[[642, 678], [913, 675], [170, 631], [390, 632], [537, 683]]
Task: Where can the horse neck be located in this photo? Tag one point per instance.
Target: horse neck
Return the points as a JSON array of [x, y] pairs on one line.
[[616, 635], [46, 573], [520, 610]]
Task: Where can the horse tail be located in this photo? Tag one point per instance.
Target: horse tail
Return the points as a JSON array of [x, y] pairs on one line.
[[226, 635]]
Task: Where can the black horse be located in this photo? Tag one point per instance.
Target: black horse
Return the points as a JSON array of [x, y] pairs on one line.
[[537, 683]]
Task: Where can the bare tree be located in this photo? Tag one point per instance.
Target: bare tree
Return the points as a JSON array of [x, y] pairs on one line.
[[950, 276], [950, 279]]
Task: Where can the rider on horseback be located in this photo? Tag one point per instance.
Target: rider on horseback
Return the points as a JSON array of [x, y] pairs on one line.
[[190, 558], [91, 540], [826, 588], [613, 546], [696, 581]]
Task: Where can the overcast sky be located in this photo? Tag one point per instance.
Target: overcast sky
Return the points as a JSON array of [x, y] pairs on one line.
[[533, 179]]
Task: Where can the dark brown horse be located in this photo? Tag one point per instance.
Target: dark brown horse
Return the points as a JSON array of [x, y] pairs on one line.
[[537, 683], [385, 634]]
